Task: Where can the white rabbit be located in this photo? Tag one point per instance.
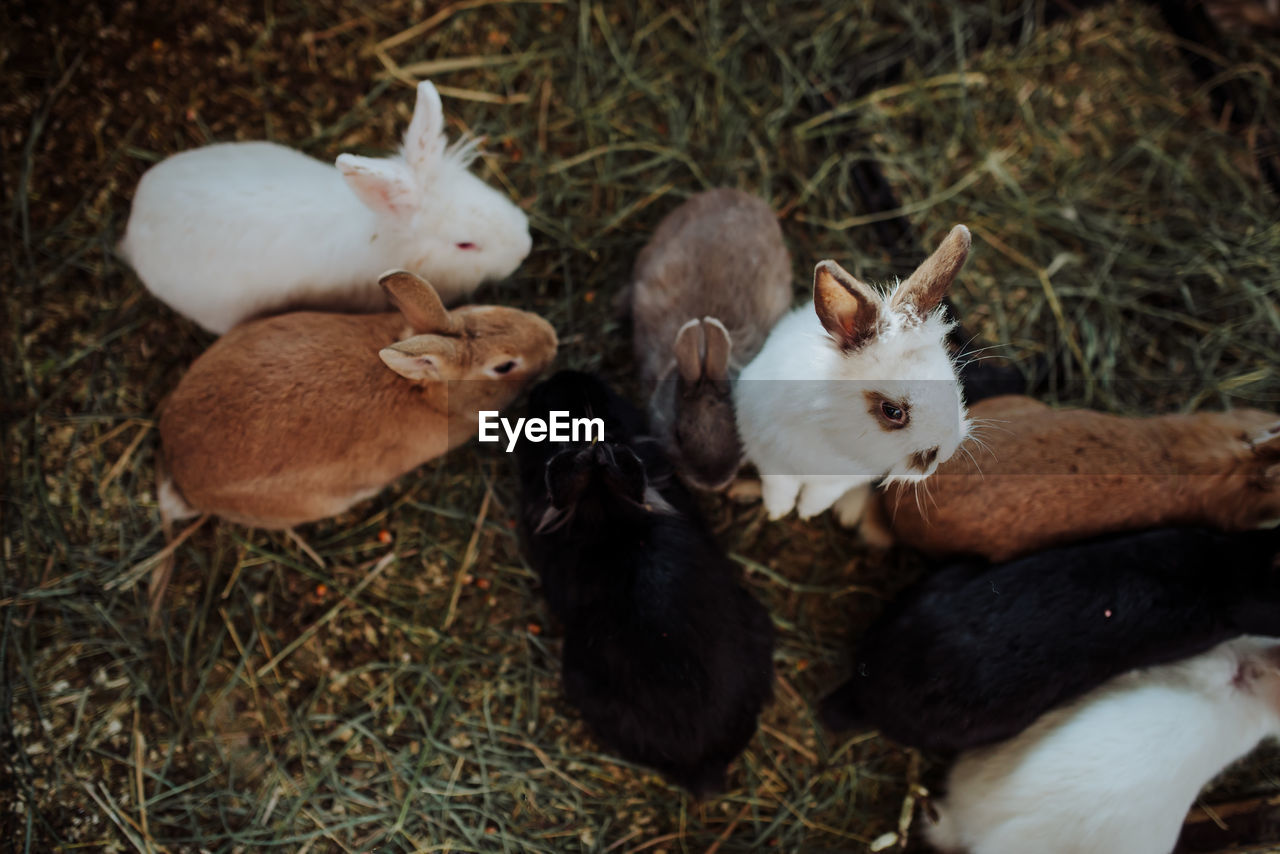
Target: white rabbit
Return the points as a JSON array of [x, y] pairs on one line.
[[854, 387], [1117, 770], [236, 230]]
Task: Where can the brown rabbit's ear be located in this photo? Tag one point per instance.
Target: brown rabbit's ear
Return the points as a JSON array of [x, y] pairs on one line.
[[690, 343], [920, 294], [1271, 477], [417, 301], [1267, 443], [423, 358], [719, 347], [848, 309]]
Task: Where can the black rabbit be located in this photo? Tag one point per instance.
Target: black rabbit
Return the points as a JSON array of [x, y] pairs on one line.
[[668, 658], [974, 653]]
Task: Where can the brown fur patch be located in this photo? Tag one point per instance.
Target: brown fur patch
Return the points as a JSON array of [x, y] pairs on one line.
[[920, 460], [1035, 477], [923, 291], [848, 309], [875, 402]]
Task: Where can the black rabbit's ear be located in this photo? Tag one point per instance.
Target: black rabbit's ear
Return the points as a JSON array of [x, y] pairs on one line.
[[626, 475], [567, 477]]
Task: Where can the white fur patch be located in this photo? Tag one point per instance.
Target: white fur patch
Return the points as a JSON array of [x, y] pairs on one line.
[[172, 505]]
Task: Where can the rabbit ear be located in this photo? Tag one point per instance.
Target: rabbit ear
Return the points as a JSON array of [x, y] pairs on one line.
[[381, 183], [1267, 443], [424, 141], [848, 309], [624, 472], [567, 476], [417, 301], [920, 294], [719, 347], [423, 358], [689, 345]]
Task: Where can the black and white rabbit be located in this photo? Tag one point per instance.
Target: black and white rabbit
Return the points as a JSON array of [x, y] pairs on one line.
[[974, 653], [668, 658], [1117, 770]]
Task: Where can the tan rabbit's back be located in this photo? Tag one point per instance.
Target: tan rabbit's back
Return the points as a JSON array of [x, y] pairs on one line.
[[720, 254], [1053, 476], [283, 406], [294, 418]]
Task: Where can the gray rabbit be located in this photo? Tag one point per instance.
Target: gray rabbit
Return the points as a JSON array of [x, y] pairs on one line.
[[707, 289]]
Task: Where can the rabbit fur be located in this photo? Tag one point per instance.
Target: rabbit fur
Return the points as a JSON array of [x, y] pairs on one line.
[[297, 417], [1117, 770], [708, 287], [854, 387], [237, 230], [666, 655], [972, 653], [1035, 477]]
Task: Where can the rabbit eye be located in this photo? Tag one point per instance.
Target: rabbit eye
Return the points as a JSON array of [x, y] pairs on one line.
[[890, 415], [465, 246], [506, 367]]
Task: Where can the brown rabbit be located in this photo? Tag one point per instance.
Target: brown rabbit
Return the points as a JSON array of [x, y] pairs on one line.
[[1043, 476], [297, 417], [708, 288]]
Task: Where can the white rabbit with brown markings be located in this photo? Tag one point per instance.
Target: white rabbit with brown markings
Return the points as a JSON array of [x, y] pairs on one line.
[[237, 230], [854, 387], [707, 289]]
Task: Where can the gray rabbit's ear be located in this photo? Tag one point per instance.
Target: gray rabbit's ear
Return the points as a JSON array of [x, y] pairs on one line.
[[920, 294], [719, 349], [848, 309], [424, 141], [690, 344]]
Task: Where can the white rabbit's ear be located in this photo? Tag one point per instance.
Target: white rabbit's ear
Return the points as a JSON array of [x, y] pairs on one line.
[[382, 184], [848, 309], [417, 301], [423, 358], [920, 294], [689, 347], [424, 141], [719, 348]]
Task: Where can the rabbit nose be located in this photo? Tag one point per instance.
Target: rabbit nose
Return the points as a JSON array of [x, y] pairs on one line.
[[921, 460]]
